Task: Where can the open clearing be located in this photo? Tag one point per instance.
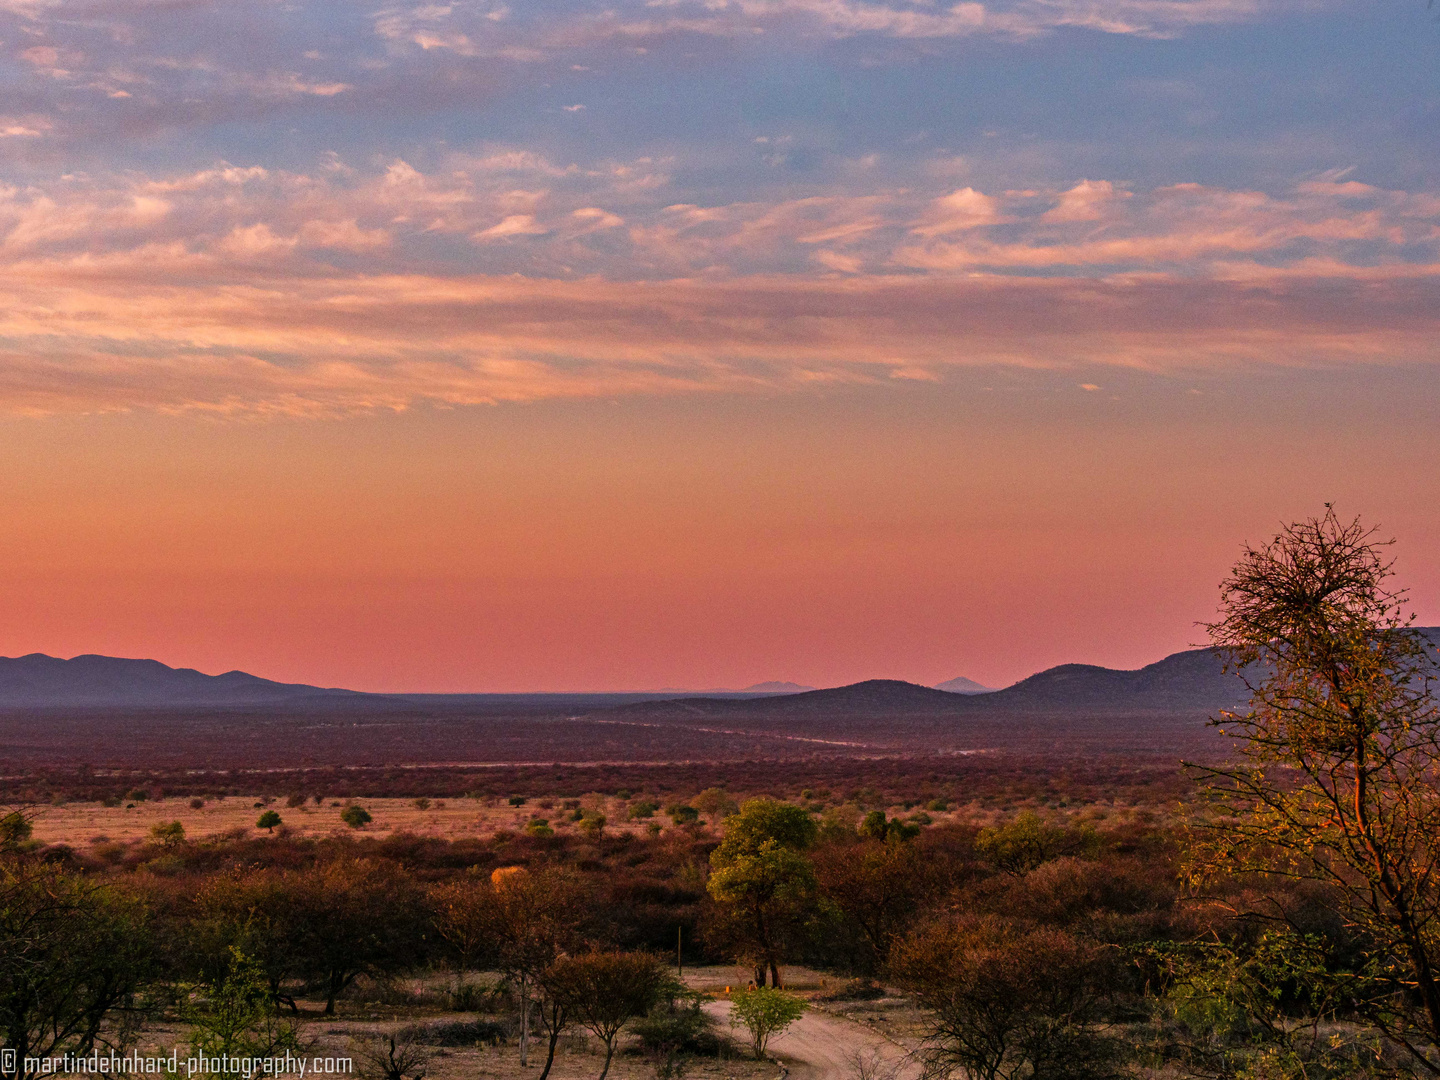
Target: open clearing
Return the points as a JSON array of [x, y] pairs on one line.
[[81, 823]]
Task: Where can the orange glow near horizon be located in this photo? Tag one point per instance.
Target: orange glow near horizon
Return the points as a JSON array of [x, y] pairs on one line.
[[919, 531]]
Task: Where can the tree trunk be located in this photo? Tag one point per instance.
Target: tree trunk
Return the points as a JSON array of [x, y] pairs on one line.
[[774, 974], [550, 1057], [759, 974], [609, 1053], [524, 1021]]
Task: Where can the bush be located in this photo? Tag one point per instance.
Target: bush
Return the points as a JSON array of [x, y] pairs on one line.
[[268, 820], [877, 827], [196, 803], [1021, 845], [672, 1030], [294, 802], [168, 833], [1007, 1002], [518, 800], [356, 816], [389, 1057], [764, 1012], [456, 1033], [643, 809], [15, 829], [684, 815]]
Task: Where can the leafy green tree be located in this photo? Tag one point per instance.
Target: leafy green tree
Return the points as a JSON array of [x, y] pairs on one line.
[[716, 804], [168, 833], [268, 820], [1026, 842], [764, 1012], [760, 875], [235, 1015], [761, 820], [877, 827], [254, 911], [671, 1029], [74, 959], [606, 990], [684, 815], [356, 816], [15, 830], [592, 824], [1267, 1006], [1338, 786]]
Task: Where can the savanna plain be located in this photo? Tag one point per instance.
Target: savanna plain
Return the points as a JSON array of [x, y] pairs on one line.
[[1266, 910]]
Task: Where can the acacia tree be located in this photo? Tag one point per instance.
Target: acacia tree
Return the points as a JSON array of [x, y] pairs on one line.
[[73, 959], [518, 920], [878, 886], [1006, 1003], [606, 990], [1338, 785], [354, 917], [762, 879], [253, 911]]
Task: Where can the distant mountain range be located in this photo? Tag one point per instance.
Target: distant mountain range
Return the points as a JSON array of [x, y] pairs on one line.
[[759, 688], [1190, 682], [40, 681], [1193, 682]]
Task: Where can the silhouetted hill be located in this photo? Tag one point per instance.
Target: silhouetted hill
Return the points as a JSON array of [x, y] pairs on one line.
[[1189, 683], [40, 681], [961, 685]]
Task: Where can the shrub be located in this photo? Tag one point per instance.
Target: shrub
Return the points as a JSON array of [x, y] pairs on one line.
[[605, 991], [15, 829], [196, 803], [356, 816], [643, 809], [267, 821], [684, 815], [878, 827], [518, 800], [671, 1030], [294, 802], [168, 833], [1007, 1002], [421, 803], [1021, 845], [764, 1012], [389, 1057], [456, 1033]]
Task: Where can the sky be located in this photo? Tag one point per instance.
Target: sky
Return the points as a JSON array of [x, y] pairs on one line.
[[693, 343]]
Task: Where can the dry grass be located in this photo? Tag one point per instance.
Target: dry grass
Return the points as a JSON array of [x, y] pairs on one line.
[[448, 819], [81, 823]]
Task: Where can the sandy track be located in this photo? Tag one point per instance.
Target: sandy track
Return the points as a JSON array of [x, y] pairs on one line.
[[820, 1046]]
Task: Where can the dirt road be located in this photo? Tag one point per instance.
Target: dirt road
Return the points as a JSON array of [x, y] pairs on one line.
[[820, 1046]]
